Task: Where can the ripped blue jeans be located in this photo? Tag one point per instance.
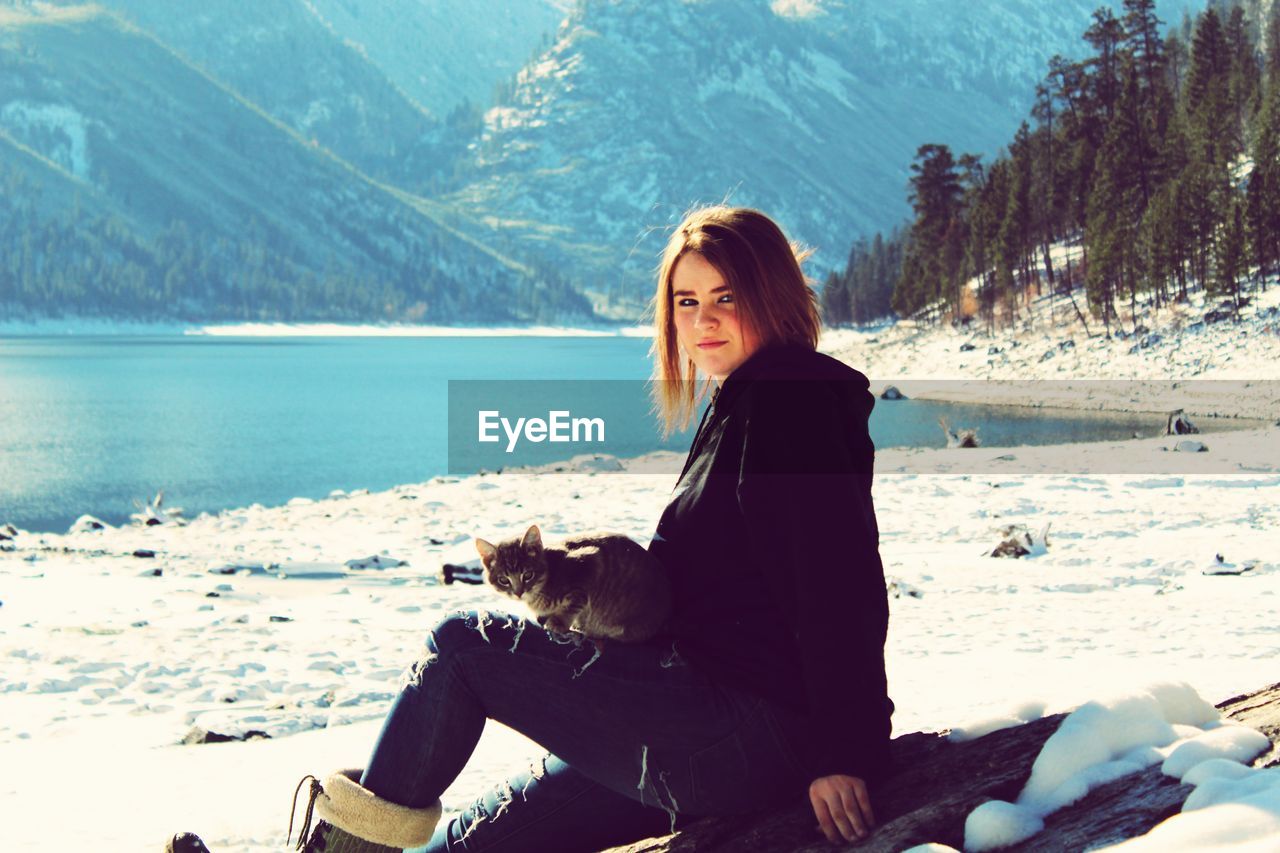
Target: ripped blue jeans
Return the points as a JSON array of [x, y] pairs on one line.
[[636, 738]]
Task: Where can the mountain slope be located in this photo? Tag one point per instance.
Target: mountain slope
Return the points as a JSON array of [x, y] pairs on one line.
[[281, 57], [120, 112], [810, 110]]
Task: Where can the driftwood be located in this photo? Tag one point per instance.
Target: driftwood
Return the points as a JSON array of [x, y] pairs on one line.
[[963, 437], [1179, 424], [938, 783], [154, 512], [1018, 540]]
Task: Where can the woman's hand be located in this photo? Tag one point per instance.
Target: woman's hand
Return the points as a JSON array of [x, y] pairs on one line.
[[843, 807]]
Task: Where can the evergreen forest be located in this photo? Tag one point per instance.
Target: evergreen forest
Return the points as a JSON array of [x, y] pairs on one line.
[[1149, 169], [58, 261]]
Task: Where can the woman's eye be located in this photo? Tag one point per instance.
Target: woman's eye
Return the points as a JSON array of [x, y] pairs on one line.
[[686, 302], [728, 297]]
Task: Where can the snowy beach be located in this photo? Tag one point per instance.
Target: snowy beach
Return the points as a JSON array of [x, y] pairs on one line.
[[264, 620], [1189, 356]]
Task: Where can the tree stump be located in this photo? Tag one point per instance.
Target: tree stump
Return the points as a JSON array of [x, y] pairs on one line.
[[938, 783]]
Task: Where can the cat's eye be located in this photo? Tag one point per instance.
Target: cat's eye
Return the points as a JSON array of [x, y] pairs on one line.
[[527, 576], [504, 581]]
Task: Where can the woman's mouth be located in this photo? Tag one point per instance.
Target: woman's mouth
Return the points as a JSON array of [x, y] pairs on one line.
[[711, 344]]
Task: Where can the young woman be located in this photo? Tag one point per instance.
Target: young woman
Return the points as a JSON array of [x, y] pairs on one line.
[[770, 681]]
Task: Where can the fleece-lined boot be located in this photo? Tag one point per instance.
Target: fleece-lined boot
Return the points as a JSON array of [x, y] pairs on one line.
[[352, 819], [355, 820]]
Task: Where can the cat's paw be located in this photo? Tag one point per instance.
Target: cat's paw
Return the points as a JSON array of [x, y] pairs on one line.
[[556, 625]]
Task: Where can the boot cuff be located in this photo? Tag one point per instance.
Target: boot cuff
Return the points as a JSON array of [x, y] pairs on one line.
[[356, 809]]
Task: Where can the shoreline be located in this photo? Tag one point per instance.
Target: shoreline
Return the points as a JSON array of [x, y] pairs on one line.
[[96, 327], [1181, 358], [1249, 451], [1203, 398]]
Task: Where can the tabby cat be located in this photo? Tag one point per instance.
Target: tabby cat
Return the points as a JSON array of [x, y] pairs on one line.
[[604, 585]]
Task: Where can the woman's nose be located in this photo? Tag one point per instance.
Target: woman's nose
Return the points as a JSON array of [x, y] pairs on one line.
[[707, 316]]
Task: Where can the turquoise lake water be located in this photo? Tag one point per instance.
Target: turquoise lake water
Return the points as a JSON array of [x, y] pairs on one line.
[[88, 425]]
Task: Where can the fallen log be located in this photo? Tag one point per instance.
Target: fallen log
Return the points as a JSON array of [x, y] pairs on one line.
[[938, 783]]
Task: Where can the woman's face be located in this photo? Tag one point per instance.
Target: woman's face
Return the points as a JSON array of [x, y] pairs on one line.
[[708, 327]]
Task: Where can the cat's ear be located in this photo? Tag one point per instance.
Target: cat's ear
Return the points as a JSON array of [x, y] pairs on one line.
[[486, 549], [532, 538]]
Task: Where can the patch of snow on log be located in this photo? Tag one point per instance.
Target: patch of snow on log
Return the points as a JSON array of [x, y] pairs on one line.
[[1104, 740], [1024, 713], [1232, 808]]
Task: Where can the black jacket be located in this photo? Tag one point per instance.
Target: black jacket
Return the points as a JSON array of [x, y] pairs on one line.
[[772, 546]]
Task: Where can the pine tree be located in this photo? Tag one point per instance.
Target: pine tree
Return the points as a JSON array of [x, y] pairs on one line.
[[1210, 69], [1244, 77], [1230, 259], [1105, 36], [1263, 192], [1014, 241], [935, 196], [1115, 209], [1271, 42], [834, 301], [1146, 52], [909, 295], [1145, 46], [1045, 172], [1206, 178]]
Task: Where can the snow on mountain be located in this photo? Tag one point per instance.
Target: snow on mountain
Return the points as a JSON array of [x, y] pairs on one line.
[[62, 128]]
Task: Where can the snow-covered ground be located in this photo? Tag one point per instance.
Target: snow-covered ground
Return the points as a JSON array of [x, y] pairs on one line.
[[107, 664], [1011, 366], [252, 620]]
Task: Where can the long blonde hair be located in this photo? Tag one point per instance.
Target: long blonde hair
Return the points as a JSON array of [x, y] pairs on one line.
[[773, 297]]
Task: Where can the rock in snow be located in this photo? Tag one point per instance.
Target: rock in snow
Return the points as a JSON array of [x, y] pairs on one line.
[[1220, 566], [377, 561], [87, 524], [198, 735]]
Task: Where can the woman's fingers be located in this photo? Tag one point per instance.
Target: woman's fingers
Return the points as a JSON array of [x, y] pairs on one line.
[[843, 807], [833, 815], [853, 812], [864, 802], [823, 814]]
